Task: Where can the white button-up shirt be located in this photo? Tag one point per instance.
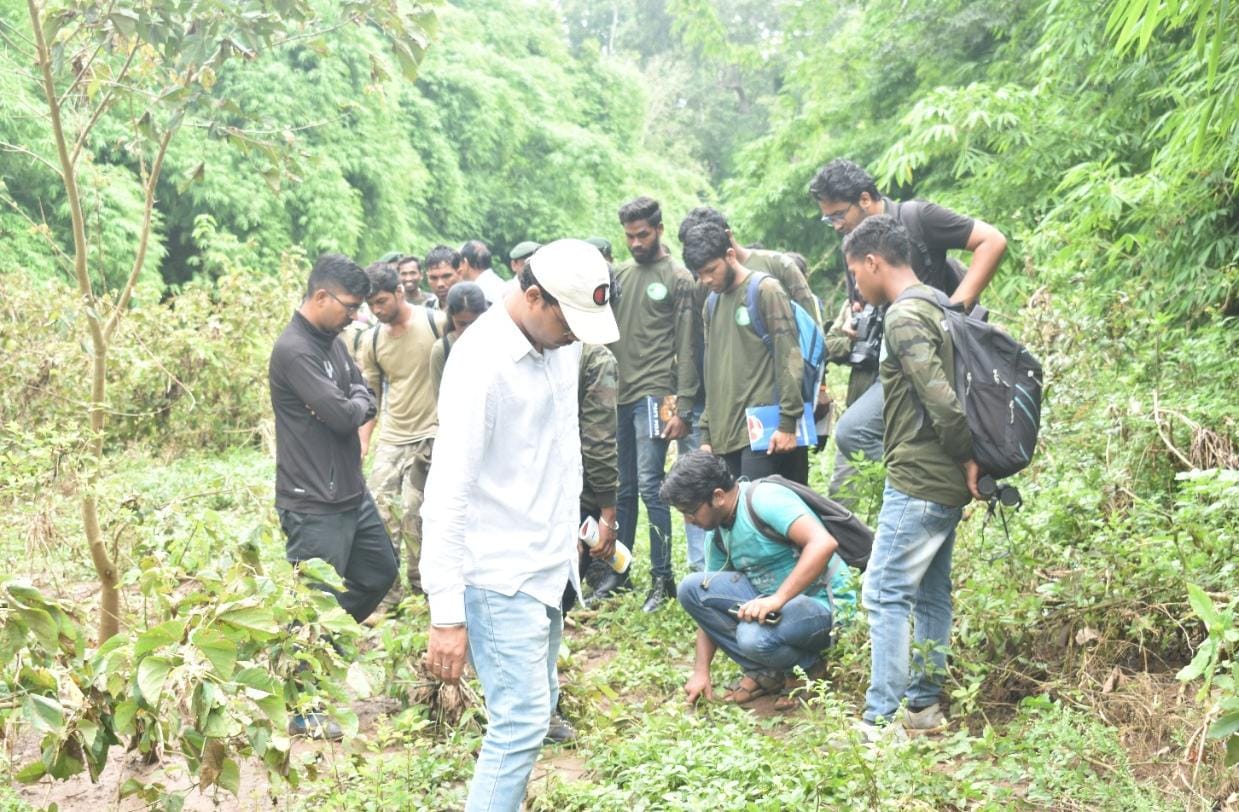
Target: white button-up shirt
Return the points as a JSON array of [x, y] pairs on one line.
[[502, 499], [493, 287]]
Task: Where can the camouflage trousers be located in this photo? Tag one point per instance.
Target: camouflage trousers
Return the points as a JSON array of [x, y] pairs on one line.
[[398, 480]]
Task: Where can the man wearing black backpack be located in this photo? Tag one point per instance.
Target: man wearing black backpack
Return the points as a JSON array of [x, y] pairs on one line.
[[740, 370], [773, 584], [930, 476], [847, 195]]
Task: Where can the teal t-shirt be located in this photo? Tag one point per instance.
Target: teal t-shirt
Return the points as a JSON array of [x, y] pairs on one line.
[[767, 562]]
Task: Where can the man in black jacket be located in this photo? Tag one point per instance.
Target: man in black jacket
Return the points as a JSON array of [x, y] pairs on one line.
[[320, 400]]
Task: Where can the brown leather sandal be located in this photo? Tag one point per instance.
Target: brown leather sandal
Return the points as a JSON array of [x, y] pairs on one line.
[[796, 691], [754, 686]]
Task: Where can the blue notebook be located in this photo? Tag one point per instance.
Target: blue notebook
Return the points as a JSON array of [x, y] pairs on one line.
[[658, 412], [764, 420]]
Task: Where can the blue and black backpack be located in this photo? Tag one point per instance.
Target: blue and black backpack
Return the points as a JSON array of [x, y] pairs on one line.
[[812, 341]]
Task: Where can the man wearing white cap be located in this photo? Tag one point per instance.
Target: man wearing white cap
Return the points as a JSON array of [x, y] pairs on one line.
[[501, 510]]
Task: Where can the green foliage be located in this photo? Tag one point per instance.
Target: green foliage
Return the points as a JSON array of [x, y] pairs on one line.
[[1216, 661], [354, 157], [212, 681], [190, 371]]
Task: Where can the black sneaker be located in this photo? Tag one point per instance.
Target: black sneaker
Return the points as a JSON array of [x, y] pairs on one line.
[[560, 732], [315, 726], [662, 591], [612, 584]]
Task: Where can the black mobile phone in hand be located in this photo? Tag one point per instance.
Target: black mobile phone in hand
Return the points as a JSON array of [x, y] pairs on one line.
[[771, 617]]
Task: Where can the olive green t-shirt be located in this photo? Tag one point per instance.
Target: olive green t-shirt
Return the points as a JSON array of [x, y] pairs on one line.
[[741, 372], [408, 407], [655, 348], [926, 436]]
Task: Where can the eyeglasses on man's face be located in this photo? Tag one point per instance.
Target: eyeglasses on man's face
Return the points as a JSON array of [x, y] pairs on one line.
[[836, 217], [351, 309]]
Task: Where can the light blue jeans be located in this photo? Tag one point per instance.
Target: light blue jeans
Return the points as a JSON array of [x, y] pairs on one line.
[[909, 577], [694, 535], [859, 430], [513, 642], [796, 640], [641, 462]]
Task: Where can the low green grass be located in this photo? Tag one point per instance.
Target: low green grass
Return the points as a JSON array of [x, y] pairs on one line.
[[640, 747]]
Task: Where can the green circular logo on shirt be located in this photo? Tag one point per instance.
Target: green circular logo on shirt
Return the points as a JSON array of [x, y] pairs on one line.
[[742, 316], [656, 291]]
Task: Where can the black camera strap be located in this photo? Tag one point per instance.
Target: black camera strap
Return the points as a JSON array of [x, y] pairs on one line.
[[995, 505]]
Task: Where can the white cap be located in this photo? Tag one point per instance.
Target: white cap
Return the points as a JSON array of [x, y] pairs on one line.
[[574, 272]]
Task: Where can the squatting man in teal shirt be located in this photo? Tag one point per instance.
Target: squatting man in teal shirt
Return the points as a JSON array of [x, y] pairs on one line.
[[751, 579]]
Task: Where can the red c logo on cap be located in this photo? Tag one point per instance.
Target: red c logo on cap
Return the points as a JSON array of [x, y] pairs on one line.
[[600, 294]]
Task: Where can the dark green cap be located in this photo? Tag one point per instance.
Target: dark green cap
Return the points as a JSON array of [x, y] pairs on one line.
[[601, 243], [391, 256], [524, 250]]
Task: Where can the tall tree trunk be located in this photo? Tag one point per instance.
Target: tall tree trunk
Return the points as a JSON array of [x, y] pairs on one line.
[[105, 568]]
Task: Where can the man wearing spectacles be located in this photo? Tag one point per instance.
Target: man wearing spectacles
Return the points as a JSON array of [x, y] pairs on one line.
[[846, 195], [320, 401]]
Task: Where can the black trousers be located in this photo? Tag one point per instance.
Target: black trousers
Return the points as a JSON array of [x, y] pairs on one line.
[[355, 543], [793, 465]]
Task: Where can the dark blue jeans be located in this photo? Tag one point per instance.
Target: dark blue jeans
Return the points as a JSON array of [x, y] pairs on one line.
[[641, 462], [796, 640]]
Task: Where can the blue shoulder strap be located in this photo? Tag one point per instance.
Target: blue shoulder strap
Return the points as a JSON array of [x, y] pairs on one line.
[[755, 318]]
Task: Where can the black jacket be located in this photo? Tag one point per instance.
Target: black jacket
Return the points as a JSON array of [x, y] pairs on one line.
[[320, 400]]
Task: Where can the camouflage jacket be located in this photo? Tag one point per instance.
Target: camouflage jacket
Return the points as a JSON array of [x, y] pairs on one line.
[[926, 435], [598, 388]]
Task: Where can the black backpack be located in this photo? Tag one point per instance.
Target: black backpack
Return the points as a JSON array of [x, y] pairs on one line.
[[853, 536], [998, 383]]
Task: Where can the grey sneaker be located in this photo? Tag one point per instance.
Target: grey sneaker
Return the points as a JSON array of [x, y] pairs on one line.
[[924, 720], [880, 734], [560, 732]]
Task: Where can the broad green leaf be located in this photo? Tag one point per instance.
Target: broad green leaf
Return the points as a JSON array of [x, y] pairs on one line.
[[40, 622], [258, 678], [336, 619], [348, 721], [1225, 725], [256, 619], [152, 674], [358, 681], [1203, 606], [165, 634], [1232, 751], [122, 718], [130, 787], [31, 772], [66, 763], [44, 714], [217, 648], [230, 776], [273, 707], [26, 593], [316, 569], [1194, 669]]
